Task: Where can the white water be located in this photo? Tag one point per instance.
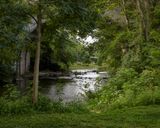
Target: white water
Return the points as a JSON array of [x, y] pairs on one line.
[[74, 88]]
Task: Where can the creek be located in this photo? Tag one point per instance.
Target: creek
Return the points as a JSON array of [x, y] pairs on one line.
[[66, 87], [73, 87]]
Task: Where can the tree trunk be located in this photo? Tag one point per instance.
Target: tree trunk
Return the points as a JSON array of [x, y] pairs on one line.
[[141, 17], [37, 57], [147, 24], [27, 61], [125, 13], [143, 9]]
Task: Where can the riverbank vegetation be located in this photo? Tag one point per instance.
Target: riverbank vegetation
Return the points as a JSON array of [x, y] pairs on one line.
[[47, 35], [131, 53], [88, 66]]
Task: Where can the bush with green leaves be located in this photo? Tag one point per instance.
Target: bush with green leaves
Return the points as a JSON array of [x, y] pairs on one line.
[[24, 106], [128, 88], [14, 103]]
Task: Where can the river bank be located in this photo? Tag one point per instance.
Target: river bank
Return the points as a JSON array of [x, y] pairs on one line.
[[136, 117], [87, 66]]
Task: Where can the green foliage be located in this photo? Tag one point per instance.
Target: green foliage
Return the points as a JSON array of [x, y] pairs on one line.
[[44, 104], [83, 56], [61, 49], [132, 59], [129, 88], [13, 103], [121, 45], [24, 105], [12, 30], [11, 92], [64, 21]]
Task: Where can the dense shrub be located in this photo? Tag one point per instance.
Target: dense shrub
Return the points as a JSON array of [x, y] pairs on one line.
[[18, 106], [128, 88], [14, 103], [24, 106]]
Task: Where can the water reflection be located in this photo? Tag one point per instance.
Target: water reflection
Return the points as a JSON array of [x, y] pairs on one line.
[[72, 87], [66, 88]]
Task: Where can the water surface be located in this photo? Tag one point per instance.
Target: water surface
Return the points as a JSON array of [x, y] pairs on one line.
[[74, 86], [66, 88]]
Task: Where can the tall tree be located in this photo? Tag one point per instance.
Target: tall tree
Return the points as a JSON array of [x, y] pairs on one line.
[[73, 17], [12, 34], [143, 10], [37, 55]]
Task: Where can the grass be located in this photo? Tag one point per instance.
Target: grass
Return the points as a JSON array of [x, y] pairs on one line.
[[82, 66], [87, 66], [137, 117]]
